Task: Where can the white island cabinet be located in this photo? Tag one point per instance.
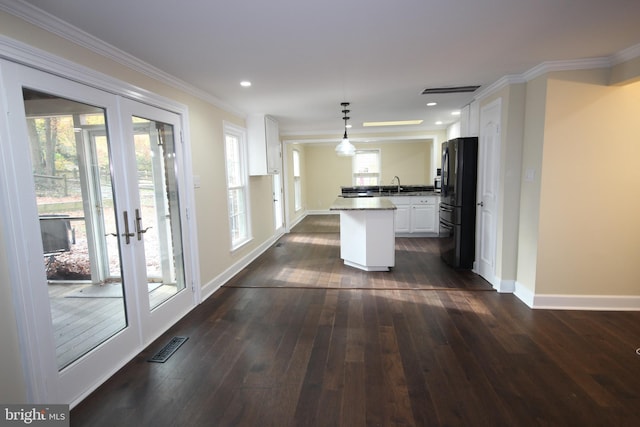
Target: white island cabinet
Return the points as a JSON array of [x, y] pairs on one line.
[[367, 232]]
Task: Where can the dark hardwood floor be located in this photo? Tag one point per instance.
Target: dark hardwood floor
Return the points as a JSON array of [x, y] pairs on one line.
[[422, 345]]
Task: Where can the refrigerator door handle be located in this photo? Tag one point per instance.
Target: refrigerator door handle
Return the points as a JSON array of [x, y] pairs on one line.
[[445, 172]]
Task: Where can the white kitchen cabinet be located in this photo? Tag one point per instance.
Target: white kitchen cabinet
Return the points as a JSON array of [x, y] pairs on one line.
[[264, 145], [423, 215], [402, 214], [416, 215]]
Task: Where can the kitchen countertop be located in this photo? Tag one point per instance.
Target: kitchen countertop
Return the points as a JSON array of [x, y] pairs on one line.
[[388, 191], [389, 194], [361, 203]]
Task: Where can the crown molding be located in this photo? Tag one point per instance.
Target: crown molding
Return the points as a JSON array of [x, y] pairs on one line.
[[52, 24], [542, 69], [569, 65], [499, 84], [627, 54], [22, 53]]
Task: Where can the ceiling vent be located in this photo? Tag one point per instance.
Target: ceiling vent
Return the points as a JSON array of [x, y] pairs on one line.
[[450, 89]]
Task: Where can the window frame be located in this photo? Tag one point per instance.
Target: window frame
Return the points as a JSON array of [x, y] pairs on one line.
[[240, 133], [355, 175]]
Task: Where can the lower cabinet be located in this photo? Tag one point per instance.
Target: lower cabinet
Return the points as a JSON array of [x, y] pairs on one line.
[[416, 215]]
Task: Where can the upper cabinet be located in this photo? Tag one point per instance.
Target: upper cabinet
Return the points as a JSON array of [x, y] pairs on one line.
[[264, 145]]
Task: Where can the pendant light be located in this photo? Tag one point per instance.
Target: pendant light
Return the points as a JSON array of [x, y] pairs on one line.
[[345, 148]]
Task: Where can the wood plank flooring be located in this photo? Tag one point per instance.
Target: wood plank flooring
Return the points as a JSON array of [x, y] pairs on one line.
[[387, 355], [309, 257]]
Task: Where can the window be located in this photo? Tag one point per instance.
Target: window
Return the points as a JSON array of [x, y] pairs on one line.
[[237, 188], [297, 186], [366, 167]]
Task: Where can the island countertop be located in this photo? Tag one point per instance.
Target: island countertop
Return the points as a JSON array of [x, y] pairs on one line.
[[362, 203]]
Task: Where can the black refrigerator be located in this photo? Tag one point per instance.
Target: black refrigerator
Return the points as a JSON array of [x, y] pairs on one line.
[[458, 202]]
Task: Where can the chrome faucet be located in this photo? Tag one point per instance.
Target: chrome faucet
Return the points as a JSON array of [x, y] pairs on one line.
[[396, 178]]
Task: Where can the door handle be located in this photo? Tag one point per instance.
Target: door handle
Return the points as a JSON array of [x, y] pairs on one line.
[[139, 228], [127, 236]]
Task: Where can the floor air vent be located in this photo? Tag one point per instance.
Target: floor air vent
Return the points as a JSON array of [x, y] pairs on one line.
[[167, 351]]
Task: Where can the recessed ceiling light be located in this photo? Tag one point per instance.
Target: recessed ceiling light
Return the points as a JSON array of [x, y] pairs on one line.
[[438, 122], [393, 123], [431, 104], [245, 83], [455, 113]]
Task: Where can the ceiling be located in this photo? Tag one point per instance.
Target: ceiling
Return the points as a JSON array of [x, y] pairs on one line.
[[305, 57]]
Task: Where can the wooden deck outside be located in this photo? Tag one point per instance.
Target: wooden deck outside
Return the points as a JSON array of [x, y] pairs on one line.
[[81, 324]]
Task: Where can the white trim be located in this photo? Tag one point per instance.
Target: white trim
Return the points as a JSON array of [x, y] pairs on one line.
[[553, 66], [32, 57], [33, 372], [322, 212], [576, 302], [624, 55], [587, 302], [240, 133], [571, 65], [524, 294], [498, 85], [506, 286], [297, 221], [217, 282], [50, 23]]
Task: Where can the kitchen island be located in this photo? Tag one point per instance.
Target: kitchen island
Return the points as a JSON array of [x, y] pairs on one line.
[[367, 232]]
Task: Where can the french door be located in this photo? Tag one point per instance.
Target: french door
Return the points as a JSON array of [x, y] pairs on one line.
[[97, 194]]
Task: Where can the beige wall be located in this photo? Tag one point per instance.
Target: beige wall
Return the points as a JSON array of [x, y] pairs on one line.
[[324, 173], [589, 207]]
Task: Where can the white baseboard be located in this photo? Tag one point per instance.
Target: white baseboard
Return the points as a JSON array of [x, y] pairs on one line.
[[506, 286], [213, 285], [588, 302], [524, 294], [577, 302], [323, 212], [500, 285]]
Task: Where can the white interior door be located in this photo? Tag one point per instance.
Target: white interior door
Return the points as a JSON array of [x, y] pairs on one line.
[[278, 215], [93, 194], [488, 182]]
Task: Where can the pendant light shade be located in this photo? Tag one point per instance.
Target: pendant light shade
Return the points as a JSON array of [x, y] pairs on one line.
[[345, 148]]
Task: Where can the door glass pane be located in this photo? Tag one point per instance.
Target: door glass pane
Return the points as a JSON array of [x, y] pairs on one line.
[[69, 147], [158, 219]]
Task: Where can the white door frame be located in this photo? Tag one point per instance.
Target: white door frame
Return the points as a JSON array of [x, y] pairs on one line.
[[34, 325], [488, 191]]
